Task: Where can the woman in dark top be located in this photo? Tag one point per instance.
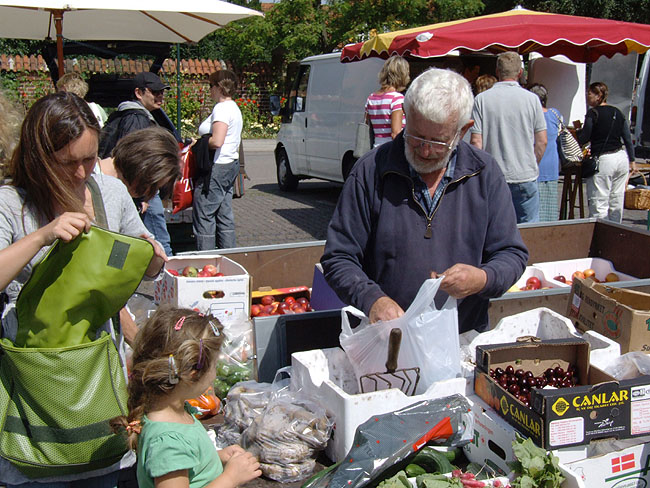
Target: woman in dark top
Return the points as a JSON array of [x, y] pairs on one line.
[[607, 130]]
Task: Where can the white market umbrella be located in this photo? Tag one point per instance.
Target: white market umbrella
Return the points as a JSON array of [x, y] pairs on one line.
[[116, 20]]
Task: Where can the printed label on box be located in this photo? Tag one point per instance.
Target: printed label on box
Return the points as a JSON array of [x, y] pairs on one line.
[[640, 410], [566, 431], [575, 304]]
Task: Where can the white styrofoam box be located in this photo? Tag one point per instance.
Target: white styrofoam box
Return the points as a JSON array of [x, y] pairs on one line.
[[545, 324], [492, 444], [225, 297], [627, 467], [566, 268], [539, 273], [327, 375]]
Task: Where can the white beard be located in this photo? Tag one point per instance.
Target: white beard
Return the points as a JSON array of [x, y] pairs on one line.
[[428, 165]]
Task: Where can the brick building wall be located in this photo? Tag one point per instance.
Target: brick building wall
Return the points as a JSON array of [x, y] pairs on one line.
[[27, 78]]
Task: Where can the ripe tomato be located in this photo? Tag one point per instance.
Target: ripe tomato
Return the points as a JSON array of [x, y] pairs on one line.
[[267, 300], [255, 310], [289, 300], [303, 301]]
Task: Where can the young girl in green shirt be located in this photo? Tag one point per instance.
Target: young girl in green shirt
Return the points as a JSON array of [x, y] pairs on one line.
[[174, 358]]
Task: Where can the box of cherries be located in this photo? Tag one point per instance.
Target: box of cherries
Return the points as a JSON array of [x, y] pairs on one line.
[[549, 391]]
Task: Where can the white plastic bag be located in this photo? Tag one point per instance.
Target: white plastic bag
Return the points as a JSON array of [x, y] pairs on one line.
[[629, 366], [429, 339]]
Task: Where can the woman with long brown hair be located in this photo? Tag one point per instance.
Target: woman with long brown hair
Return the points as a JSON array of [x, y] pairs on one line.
[[51, 197]]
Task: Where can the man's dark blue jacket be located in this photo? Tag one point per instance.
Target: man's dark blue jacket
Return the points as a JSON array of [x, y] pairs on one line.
[[376, 242]]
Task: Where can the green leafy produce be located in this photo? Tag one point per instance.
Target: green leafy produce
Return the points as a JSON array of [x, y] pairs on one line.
[[535, 468], [437, 481], [400, 480], [413, 470]]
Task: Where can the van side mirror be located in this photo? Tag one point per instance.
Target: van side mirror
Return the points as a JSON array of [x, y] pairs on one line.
[[274, 102]]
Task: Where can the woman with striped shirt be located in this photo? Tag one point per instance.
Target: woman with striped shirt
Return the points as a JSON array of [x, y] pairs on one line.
[[384, 107]]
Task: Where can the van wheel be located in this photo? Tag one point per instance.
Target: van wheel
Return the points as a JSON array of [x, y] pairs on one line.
[[286, 179], [348, 164]]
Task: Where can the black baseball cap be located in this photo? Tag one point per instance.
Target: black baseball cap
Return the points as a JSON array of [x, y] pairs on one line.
[[147, 79]]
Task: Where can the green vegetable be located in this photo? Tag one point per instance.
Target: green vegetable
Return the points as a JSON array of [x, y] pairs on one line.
[[437, 481], [534, 466], [413, 470], [221, 388], [400, 480], [452, 454], [432, 461]]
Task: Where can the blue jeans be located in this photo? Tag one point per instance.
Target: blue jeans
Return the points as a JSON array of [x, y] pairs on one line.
[[154, 221], [212, 215], [525, 198]]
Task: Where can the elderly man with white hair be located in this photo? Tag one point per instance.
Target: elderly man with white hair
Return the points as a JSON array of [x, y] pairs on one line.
[[425, 204]]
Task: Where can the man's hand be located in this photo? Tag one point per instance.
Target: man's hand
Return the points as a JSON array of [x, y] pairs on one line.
[[462, 280], [385, 309]]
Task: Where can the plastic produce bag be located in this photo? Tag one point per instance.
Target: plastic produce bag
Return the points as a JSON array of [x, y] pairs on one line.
[[234, 363], [287, 436], [629, 366], [429, 339], [385, 440]]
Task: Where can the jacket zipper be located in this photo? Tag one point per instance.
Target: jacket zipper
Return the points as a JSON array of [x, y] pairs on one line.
[[428, 233]]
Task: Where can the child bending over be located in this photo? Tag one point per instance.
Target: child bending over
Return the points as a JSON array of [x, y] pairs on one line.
[[174, 358]]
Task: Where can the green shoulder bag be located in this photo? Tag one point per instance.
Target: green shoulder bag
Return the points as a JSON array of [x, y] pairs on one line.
[[59, 384]]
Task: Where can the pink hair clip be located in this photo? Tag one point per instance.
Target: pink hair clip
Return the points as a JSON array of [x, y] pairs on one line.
[[180, 323]]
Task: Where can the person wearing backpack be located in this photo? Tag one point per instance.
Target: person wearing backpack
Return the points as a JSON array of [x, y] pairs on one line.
[[132, 115], [549, 166]]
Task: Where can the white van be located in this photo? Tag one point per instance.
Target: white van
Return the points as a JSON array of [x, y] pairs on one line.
[[324, 107]]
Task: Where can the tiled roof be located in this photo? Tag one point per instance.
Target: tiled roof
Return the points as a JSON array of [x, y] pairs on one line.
[[126, 66]]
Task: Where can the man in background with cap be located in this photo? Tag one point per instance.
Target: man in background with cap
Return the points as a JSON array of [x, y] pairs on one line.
[[132, 115]]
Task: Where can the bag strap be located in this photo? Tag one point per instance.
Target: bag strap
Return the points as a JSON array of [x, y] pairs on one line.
[[98, 203], [561, 125]]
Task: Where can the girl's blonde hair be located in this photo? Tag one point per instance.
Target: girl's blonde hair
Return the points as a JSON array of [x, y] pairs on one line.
[[174, 345]]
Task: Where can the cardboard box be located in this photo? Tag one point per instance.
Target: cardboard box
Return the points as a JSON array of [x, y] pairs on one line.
[[625, 464], [618, 313], [493, 437], [222, 296], [598, 407]]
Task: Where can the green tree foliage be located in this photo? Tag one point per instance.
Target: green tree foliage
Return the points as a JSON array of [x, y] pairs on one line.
[[356, 20], [627, 10]]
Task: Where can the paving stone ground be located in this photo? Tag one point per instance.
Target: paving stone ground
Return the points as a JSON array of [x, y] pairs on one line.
[[266, 216]]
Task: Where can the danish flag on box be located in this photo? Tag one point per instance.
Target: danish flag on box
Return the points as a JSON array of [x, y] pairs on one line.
[[621, 463]]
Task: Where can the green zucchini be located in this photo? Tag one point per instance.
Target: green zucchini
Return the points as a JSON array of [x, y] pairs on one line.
[[432, 461]]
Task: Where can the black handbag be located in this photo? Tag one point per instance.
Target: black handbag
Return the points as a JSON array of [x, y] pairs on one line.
[[589, 166]]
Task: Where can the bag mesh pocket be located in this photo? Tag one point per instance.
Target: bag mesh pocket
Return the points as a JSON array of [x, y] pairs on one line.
[[56, 404]]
